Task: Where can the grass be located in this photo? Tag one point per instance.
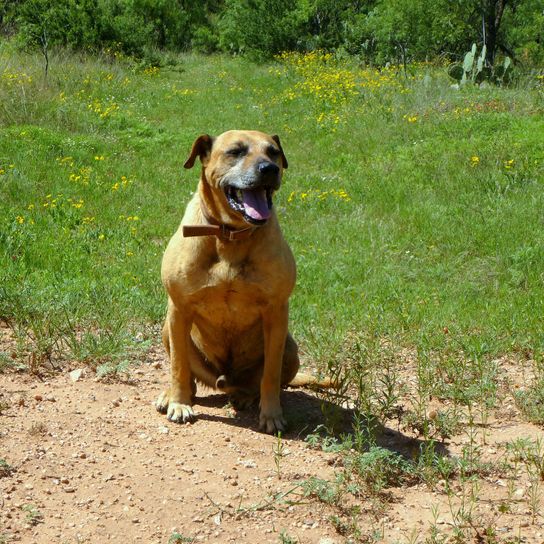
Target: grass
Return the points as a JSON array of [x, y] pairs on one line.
[[413, 209]]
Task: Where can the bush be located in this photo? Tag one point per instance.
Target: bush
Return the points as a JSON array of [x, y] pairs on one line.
[[260, 28], [134, 26]]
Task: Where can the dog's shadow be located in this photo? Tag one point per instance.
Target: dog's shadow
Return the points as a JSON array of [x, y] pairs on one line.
[[305, 414]]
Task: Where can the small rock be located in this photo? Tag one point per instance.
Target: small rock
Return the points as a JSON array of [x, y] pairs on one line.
[[69, 489], [326, 540], [39, 398], [76, 375]]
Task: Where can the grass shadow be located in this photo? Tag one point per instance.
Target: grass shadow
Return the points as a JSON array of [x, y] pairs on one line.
[[305, 412]]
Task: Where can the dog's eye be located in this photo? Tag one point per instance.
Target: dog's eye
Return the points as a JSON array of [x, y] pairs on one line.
[[237, 151], [273, 152]]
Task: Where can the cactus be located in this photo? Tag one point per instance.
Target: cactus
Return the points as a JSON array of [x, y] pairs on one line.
[[474, 69]]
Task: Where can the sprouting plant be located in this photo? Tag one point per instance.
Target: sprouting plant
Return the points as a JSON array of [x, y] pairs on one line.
[[286, 539], [177, 538], [33, 515], [114, 370], [279, 453], [5, 468]]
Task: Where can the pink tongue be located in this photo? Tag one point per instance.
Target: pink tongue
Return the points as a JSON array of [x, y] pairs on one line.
[[256, 204]]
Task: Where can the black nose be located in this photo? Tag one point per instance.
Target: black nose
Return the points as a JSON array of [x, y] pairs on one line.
[[268, 168]]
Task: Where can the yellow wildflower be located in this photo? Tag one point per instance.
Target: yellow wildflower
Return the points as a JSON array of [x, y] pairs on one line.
[[508, 164]]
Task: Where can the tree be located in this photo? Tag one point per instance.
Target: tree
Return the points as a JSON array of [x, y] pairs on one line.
[[492, 15]]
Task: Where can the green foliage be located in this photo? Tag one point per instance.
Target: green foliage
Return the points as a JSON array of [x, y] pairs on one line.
[[379, 31], [284, 538], [115, 370], [177, 538], [5, 469], [380, 468], [134, 26], [531, 400], [260, 28], [524, 31], [324, 490], [33, 515], [62, 22]]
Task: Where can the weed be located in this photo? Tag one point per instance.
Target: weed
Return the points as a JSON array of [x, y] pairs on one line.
[[33, 515], [320, 439], [5, 469], [38, 429], [380, 468], [280, 452], [284, 538], [6, 361], [114, 370], [530, 454], [4, 406], [531, 400], [323, 490], [177, 538]]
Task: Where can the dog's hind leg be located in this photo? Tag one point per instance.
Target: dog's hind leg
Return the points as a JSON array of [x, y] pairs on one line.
[[291, 361]]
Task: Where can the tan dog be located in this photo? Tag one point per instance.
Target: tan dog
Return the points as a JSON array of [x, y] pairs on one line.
[[229, 273]]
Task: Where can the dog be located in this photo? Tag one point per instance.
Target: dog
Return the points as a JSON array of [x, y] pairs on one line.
[[229, 272]]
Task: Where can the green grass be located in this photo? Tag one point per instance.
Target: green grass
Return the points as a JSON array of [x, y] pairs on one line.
[[423, 239]]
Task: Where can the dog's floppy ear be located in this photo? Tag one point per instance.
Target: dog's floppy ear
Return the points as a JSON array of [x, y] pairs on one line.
[[202, 147], [276, 138]]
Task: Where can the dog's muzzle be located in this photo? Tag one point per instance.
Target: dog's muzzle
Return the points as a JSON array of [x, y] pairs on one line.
[[253, 197]]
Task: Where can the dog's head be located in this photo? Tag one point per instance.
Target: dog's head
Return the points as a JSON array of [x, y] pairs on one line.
[[243, 168]]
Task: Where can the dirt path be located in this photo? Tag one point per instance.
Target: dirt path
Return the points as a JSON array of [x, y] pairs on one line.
[[96, 463]]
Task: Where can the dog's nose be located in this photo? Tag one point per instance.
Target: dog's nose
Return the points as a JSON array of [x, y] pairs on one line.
[[268, 168]]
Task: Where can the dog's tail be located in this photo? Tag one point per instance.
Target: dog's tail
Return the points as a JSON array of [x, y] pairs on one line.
[[307, 380]]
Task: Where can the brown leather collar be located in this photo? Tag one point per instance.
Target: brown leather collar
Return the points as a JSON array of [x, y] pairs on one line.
[[223, 232]]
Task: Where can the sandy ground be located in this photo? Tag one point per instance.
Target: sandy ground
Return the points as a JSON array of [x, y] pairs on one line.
[[95, 462]]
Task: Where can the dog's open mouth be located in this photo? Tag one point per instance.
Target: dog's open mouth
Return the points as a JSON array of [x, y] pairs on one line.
[[254, 204]]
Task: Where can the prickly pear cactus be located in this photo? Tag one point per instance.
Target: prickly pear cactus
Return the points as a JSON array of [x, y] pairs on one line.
[[474, 69]]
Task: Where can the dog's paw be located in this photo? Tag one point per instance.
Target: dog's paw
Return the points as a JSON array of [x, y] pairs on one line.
[[161, 404], [175, 411], [180, 413], [272, 423]]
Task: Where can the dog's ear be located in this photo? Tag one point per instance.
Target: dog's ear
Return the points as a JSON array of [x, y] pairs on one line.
[[276, 138], [202, 147]]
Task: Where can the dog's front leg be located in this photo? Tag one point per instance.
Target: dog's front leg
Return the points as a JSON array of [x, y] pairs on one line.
[[177, 400], [275, 332]]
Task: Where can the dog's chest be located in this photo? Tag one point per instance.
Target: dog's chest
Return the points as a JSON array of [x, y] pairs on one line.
[[232, 295]]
